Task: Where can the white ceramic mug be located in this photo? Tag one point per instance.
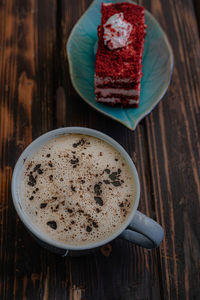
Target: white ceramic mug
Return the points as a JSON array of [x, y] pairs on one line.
[[137, 228]]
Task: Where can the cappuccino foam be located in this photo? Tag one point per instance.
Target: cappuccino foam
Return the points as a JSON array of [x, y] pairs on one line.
[[77, 189]]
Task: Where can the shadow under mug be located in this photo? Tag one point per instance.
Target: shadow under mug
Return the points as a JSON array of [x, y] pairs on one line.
[[137, 228]]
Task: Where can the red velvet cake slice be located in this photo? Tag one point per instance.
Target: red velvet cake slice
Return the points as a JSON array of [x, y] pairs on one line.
[[118, 68]]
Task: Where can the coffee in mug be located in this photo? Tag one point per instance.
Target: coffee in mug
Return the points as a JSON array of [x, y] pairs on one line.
[[77, 189]]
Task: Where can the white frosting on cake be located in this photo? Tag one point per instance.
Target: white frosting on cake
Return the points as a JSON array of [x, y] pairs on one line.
[[106, 80], [116, 32], [115, 100], [125, 92]]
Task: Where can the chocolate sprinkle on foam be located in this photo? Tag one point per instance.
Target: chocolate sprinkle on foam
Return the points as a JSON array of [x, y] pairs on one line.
[[88, 229], [31, 181], [73, 188], [99, 200], [52, 224], [37, 167]]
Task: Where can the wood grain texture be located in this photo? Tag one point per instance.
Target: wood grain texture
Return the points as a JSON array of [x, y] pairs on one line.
[[36, 96]]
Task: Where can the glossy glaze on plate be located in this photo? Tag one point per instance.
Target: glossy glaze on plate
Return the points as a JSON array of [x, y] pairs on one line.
[[157, 65]]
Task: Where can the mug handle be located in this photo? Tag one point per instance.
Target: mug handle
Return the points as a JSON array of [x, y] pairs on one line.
[[143, 231]]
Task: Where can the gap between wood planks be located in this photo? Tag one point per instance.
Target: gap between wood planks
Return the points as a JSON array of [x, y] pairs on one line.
[[60, 106], [196, 4]]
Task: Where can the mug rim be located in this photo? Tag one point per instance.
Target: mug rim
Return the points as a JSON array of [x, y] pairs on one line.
[[32, 147]]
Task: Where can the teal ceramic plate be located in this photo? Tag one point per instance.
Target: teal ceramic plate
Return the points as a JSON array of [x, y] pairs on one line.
[[157, 65]]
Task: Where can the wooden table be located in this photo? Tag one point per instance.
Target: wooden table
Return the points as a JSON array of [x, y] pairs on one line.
[[37, 96]]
